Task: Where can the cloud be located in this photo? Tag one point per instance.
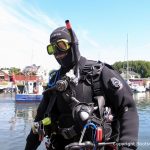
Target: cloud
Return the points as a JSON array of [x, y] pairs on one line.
[[23, 36]]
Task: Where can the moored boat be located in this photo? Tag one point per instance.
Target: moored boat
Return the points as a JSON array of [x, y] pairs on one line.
[[140, 89], [1, 89], [137, 88], [30, 92], [28, 97]]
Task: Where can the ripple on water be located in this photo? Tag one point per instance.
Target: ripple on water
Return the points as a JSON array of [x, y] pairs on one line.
[[16, 119]]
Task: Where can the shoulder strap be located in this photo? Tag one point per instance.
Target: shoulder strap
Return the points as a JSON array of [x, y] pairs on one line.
[[95, 79], [92, 74], [51, 104], [97, 87]]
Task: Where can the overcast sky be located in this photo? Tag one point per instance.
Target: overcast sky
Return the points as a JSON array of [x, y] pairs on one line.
[[102, 27]]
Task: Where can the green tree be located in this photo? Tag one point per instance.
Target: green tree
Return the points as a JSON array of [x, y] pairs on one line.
[[14, 70], [139, 66]]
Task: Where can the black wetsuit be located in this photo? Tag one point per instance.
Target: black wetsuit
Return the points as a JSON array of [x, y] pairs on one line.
[[118, 97]]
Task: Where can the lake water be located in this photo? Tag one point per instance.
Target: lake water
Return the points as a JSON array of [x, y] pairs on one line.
[[16, 120]]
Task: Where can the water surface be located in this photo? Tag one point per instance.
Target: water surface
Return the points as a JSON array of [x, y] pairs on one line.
[[16, 120]]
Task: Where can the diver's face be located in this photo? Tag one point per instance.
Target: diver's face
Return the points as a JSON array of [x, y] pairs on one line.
[[65, 59], [59, 55]]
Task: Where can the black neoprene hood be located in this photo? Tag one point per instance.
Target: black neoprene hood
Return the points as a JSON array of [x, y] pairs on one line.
[[63, 33], [60, 33]]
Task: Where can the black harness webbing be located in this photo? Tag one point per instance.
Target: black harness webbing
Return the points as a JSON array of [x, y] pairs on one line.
[[51, 104], [92, 74], [97, 87]]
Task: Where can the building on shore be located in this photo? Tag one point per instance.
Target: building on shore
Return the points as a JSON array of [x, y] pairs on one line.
[[31, 73], [135, 81]]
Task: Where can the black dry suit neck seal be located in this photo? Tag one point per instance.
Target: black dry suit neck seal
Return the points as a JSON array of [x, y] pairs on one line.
[[74, 47]]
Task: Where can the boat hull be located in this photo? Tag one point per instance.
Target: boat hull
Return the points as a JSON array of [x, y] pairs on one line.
[[28, 97]]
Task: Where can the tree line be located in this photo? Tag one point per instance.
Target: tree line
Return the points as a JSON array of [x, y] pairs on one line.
[[139, 66], [12, 70]]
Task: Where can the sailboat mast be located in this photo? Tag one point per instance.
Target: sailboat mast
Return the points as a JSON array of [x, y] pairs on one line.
[[127, 59]]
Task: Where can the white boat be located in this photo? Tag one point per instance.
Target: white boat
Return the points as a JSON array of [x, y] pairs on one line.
[[30, 92], [137, 88], [140, 89], [1, 88]]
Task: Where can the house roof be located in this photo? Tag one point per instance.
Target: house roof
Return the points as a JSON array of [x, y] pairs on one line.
[[2, 73]]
